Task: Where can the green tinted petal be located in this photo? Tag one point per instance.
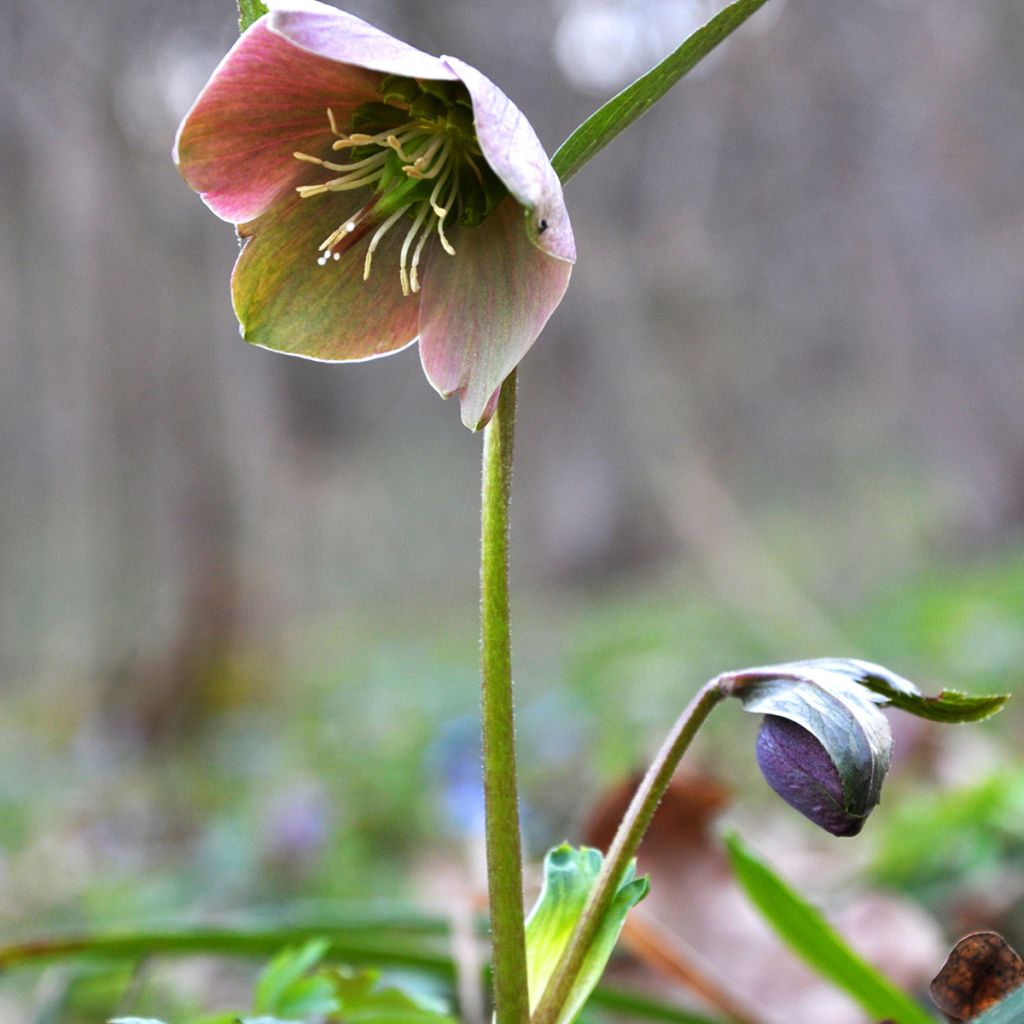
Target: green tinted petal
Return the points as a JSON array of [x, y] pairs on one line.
[[483, 308], [286, 301]]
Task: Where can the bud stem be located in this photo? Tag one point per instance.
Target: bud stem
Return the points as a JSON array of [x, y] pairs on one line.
[[624, 846]]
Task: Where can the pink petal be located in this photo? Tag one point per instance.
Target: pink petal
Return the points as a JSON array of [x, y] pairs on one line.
[[285, 300], [266, 100], [483, 308], [511, 147], [328, 32]]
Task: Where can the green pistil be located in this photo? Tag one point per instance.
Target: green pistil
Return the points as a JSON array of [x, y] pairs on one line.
[[417, 151]]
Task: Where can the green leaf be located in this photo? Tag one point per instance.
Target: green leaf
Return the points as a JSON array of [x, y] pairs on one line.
[[134, 1020], [950, 706], [635, 100], [569, 875], [1009, 1011], [250, 11], [284, 989], [808, 934]]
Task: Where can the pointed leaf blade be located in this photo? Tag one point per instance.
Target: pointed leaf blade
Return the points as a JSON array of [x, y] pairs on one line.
[[635, 100], [808, 934]]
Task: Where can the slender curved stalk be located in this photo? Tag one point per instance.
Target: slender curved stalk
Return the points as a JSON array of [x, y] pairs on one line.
[[623, 849], [501, 800]]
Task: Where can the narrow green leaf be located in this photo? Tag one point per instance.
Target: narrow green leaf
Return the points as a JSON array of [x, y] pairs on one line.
[[635, 100], [569, 875], [808, 934], [1009, 1011], [250, 11]]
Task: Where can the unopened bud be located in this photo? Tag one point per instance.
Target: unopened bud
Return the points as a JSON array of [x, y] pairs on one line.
[[799, 769]]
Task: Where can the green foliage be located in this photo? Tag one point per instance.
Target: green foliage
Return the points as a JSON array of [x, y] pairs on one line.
[[635, 100], [287, 991], [938, 842], [250, 11], [808, 934], [284, 988], [292, 989], [569, 876]]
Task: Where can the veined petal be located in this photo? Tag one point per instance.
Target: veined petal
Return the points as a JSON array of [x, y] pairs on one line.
[[323, 30], [482, 309], [511, 147], [285, 300], [266, 100]]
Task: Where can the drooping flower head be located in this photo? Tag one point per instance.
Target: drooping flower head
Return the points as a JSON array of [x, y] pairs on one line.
[[383, 195]]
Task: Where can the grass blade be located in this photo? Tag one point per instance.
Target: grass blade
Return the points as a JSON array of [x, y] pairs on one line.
[[810, 936]]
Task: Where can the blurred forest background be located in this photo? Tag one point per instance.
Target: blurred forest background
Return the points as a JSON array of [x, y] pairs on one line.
[[778, 415]]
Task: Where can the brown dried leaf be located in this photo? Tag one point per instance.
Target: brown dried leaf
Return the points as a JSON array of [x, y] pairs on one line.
[[981, 971]]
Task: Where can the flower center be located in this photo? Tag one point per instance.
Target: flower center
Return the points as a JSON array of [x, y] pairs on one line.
[[418, 153]]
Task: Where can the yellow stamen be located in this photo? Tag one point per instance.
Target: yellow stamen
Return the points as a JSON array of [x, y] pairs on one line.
[[415, 171], [445, 244], [426, 152], [403, 273], [340, 232], [441, 211], [414, 277], [403, 134], [377, 236], [371, 161], [357, 179]]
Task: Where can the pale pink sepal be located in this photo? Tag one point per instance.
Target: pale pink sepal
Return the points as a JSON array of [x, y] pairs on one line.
[[327, 32], [481, 310], [266, 100], [511, 147]]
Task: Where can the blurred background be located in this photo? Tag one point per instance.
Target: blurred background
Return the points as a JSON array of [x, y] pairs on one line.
[[778, 415]]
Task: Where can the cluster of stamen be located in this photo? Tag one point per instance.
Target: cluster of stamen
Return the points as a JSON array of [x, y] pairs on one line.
[[414, 170]]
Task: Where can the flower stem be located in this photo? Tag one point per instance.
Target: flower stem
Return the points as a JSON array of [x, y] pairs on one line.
[[623, 849], [501, 801]]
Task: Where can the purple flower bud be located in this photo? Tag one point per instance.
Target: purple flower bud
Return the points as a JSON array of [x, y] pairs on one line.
[[797, 766]]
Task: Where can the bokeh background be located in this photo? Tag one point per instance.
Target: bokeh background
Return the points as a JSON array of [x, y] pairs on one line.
[[778, 415]]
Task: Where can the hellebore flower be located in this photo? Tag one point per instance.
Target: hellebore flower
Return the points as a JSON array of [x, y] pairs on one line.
[[824, 744], [383, 194], [799, 769]]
